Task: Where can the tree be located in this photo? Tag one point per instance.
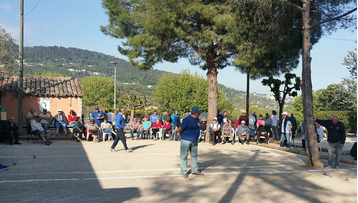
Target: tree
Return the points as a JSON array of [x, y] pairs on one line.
[[97, 91], [133, 101], [289, 88], [6, 54], [351, 62], [209, 33], [330, 15]]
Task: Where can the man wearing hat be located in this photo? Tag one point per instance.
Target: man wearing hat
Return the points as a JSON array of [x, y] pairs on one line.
[[243, 131], [98, 116], [189, 131], [243, 117], [60, 122], [215, 130], [286, 132]]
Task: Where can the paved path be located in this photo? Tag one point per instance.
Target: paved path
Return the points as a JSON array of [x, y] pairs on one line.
[[88, 172]]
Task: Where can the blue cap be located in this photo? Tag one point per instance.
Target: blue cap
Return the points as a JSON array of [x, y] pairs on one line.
[[96, 108], [196, 109]]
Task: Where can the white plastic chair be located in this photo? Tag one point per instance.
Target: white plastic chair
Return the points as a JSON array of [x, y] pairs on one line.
[[159, 133], [104, 135]]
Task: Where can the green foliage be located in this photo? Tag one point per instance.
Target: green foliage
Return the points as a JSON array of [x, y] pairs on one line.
[[51, 74], [97, 91], [183, 91], [289, 88], [348, 118], [351, 62], [6, 51]]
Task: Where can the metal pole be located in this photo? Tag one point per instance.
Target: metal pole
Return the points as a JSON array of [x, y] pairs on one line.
[[115, 84], [21, 68]]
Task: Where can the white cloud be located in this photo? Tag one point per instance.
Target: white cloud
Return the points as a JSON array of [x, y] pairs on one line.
[[14, 31], [5, 7]]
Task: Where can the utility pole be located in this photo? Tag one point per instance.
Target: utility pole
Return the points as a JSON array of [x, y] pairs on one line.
[[115, 80], [21, 68]]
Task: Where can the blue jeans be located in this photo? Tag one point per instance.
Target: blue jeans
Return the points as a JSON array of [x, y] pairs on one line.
[[185, 147], [109, 131], [288, 140], [133, 131], [45, 126], [334, 148], [174, 135]]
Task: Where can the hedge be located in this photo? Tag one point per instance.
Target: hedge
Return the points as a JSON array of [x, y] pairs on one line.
[[348, 118]]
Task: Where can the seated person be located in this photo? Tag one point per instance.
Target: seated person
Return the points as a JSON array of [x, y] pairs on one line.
[[30, 116], [215, 130], [39, 131], [60, 122], [13, 129], [79, 128], [45, 119], [227, 133], [145, 127], [107, 128], [243, 132], [203, 126], [135, 127], [155, 128], [166, 128], [92, 129], [232, 125], [262, 131], [71, 118]]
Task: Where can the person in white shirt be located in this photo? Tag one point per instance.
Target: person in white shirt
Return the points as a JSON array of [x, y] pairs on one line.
[[286, 130], [215, 130], [319, 132], [39, 131], [275, 122], [31, 115], [109, 116]]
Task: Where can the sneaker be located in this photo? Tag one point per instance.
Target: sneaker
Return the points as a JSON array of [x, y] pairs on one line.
[[337, 167], [328, 167], [128, 150], [113, 150], [198, 174], [4, 167], [185, 175]]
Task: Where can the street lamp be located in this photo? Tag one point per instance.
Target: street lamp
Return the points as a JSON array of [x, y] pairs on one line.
[[115, 80]]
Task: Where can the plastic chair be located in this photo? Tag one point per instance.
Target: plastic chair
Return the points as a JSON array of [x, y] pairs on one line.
[[104, 135], [159, 134]]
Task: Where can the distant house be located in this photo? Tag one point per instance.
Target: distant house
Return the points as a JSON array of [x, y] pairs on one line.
[[39, 92]]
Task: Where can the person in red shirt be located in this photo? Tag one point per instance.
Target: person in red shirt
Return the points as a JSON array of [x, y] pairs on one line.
[[155, 128], [243, 117], [71, 117], [166, 128]]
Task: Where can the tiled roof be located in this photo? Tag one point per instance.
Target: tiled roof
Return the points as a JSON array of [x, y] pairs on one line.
[[43, 86]]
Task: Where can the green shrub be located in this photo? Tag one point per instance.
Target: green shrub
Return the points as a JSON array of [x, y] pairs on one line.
[[348, 118]]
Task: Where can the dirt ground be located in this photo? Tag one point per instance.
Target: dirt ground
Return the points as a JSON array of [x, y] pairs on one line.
[[88, 172]]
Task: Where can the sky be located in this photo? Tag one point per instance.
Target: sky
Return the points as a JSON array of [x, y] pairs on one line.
[[69, 23]]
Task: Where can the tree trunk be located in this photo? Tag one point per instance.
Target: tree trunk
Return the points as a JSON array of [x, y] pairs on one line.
[[132, 114], [313, 155], [280, 110], [248, 92], [212, 76]]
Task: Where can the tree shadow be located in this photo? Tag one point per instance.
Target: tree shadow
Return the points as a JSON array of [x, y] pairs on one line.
[[59, 173]]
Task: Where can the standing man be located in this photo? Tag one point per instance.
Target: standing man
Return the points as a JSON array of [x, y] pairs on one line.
[[243, 117], [286, 130], [189, 132], [154, 117], [336, 139], [109, 116], [164, 116], [120, 131], [146, 115], [275, 122], [98, 116], [174, 125], [294, 124], [224, 117], [268, 122]]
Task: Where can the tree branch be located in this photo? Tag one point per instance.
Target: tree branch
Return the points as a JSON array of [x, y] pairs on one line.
[[226, 55], [295, 6], [335, 18], [131, 5]]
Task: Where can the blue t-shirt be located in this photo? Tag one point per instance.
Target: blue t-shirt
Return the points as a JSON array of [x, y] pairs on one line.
[[95, 115], [164, 117], [153, 118], [174, 120], [191, 129]]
